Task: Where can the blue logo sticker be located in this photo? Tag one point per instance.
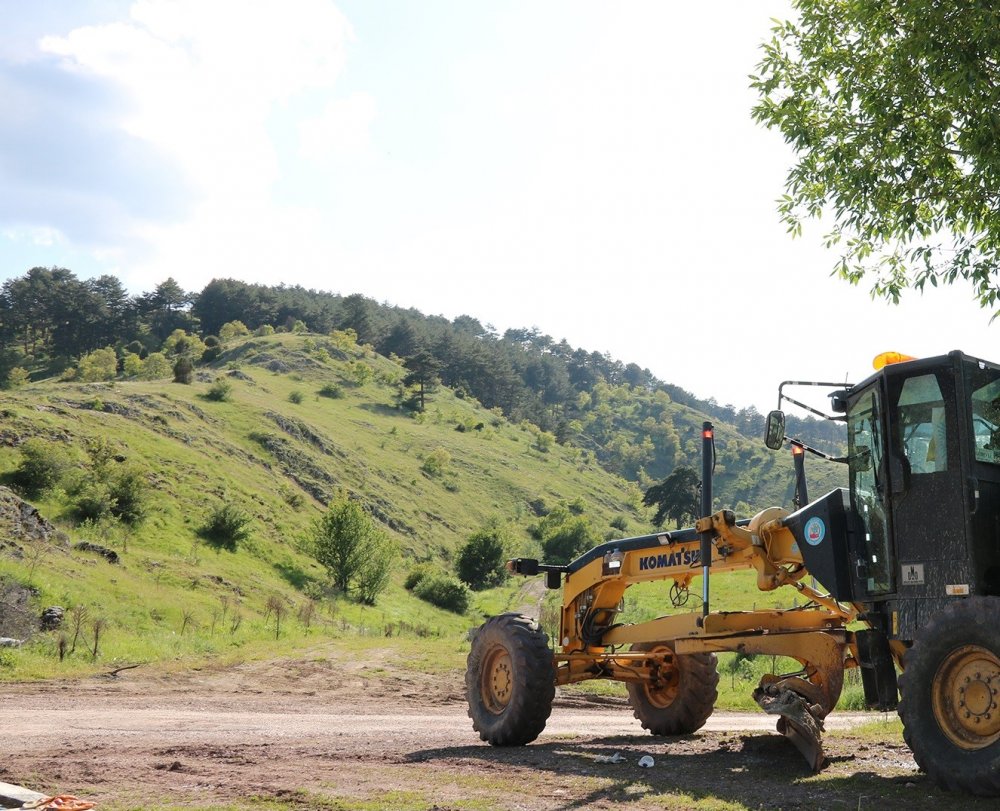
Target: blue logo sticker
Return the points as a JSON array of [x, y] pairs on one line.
[[815, 531]]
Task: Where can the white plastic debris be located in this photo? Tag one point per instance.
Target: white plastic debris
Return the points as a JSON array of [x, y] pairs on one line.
[[617, 757], [646, 762]]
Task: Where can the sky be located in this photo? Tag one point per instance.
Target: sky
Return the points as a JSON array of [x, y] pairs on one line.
[[587, 168]]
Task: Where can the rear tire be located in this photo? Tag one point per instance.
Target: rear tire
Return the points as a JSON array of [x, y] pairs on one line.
[[510, 680], [949, 706], [680, 700]]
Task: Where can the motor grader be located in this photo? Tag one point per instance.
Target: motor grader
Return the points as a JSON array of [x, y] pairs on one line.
[[899, 572]]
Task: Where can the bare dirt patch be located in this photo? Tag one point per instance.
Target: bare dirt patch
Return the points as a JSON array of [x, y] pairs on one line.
[[333, 731]]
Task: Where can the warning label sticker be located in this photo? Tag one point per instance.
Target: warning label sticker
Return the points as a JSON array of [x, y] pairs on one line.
[[912, 574]]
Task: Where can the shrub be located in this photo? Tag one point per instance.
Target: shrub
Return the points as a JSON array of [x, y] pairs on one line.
[[481, 558], [131, 365], [123, 495], [232, 329], [220, 390], [416, 574], [155, 367], [436, 463], [101, 364], [445, 591], [263, 329], [564, 536], [43, 466], [332, 391], [226, 526], [129, 492], [181, 343], [361, 372], [17, 377], [295, 397], [93, 502], [183, 369], [345, 339], [213, 348], [544, 441], [373, 577], [620, 522]]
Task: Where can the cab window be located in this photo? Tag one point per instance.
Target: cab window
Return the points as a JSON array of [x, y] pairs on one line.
[[922, 426], [986, 414], [867, 491]]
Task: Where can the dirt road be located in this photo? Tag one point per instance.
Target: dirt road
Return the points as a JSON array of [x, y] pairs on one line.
[[317, 733]]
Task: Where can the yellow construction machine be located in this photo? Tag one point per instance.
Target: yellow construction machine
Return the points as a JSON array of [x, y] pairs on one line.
[[899, 572]]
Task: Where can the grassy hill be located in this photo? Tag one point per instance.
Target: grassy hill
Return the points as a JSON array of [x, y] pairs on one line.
[[278, 426]]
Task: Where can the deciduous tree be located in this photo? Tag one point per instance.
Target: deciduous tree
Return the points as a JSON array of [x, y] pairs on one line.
[[891, 108], [480, 562], [342, 538]]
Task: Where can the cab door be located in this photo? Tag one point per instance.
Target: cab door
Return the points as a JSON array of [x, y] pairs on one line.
[[928, 509]]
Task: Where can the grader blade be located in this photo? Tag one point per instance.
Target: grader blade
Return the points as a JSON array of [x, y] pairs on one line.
[[799, 720]]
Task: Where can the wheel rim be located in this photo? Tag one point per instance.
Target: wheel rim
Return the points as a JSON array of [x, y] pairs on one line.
[[965, 697], [663, 691], [497, 681]]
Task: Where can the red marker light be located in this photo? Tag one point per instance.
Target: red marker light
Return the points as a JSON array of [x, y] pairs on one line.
[[706, 434], [798, 450]]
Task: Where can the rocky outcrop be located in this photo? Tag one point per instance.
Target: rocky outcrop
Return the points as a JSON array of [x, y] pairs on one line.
[[20, 522], [110, 555], [22, 528]]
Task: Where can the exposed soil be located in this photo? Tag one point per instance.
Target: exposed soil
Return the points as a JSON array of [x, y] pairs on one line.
[[329, 731]]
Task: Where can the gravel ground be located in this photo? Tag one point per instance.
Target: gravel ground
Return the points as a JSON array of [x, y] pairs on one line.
[[320, 733]]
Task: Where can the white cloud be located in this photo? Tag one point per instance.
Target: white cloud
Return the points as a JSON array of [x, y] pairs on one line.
[[204, 77], [206, 80], [343, 128], [43, 236], [203, 91]]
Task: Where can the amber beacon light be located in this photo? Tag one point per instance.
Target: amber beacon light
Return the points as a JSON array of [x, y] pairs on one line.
[[886, 358]]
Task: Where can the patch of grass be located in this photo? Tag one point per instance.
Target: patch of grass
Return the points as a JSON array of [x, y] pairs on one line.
[[886, 730]]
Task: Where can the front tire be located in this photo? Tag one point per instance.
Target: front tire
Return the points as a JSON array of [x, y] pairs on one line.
[[510, 680], [950, 695], [682, 695]]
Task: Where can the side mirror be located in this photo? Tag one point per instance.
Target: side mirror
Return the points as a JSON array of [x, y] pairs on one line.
[[861, 462], [775, 435], [838, 401]]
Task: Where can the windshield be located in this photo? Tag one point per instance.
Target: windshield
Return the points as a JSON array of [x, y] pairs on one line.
[[866, 470]]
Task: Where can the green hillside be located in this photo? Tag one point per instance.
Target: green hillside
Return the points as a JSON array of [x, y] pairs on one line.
[[306, 417]]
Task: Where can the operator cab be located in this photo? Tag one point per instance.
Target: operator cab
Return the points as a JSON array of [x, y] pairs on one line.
[[920, 522], [924, 461]]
